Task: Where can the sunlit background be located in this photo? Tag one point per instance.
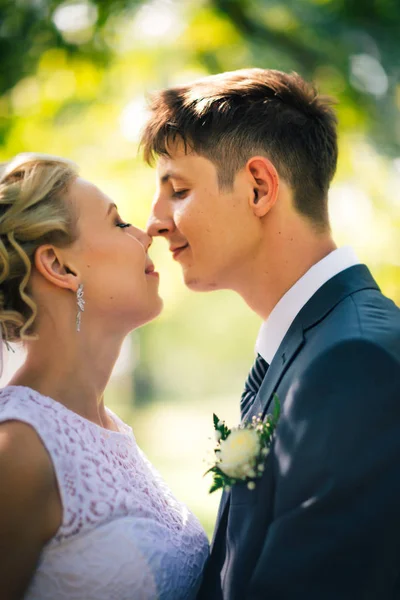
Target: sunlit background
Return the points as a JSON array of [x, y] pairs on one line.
[[74, 77]]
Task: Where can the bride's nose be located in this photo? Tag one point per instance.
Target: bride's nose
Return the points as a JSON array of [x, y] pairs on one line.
[[142, 237]]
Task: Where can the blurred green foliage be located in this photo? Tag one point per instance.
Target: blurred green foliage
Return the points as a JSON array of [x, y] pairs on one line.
[[349, 47], [73, 80]]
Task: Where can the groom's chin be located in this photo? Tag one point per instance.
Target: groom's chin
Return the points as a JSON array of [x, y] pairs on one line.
[[199, 284]]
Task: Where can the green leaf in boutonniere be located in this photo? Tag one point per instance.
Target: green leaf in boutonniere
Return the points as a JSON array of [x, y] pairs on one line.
[[221, 430], [241, 452]]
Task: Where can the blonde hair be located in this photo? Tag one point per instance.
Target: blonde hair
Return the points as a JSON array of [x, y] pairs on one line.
[[33, 212]]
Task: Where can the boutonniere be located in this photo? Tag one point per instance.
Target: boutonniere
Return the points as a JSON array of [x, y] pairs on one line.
[[240, 452]]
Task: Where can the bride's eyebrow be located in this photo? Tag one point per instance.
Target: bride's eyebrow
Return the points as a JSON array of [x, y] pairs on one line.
[[111, 206]]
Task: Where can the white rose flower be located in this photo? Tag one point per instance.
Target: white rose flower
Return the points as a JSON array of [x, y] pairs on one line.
[[238, 452]]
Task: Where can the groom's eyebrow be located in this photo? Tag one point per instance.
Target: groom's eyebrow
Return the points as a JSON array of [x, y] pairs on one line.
[[167, 176], [170, 175]]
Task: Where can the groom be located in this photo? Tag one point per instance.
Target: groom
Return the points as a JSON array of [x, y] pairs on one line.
[[244, 162]]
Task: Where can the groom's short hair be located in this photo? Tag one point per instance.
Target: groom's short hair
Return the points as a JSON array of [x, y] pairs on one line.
[[230, 117]]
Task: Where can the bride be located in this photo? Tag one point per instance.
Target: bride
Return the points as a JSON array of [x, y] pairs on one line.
[[83, 515]]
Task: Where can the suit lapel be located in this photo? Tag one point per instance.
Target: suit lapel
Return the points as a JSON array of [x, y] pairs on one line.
[[287, 351], [219, 528], [322, 302]]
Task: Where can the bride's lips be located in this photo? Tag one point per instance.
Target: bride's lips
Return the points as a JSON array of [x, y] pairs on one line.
[[177, 250]]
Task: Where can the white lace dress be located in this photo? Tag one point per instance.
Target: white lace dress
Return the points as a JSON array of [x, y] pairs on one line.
[[123, 535]]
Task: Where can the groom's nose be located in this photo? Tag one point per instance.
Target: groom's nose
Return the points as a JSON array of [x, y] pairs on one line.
[[160, 221]]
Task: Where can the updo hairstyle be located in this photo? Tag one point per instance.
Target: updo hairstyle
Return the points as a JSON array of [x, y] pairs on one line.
[[33, 212]]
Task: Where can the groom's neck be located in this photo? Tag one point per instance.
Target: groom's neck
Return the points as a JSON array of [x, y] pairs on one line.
[[284, 256]]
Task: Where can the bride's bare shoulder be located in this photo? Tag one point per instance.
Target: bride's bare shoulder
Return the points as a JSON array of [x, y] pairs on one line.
[[26, 470], [22, 452], [30, 510]]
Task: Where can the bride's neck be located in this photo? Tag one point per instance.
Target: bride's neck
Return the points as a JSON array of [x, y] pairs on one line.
[[72, 368]]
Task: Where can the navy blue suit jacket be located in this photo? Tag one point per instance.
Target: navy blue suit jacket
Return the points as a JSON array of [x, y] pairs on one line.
[[324, 521]]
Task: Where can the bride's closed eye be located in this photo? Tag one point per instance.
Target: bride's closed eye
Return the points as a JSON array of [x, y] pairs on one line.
[[121, 224]]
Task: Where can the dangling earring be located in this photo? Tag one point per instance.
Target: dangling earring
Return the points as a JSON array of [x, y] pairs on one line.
[[81, 306]]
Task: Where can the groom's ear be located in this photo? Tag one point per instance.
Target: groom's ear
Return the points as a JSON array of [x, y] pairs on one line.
[[264, 180]]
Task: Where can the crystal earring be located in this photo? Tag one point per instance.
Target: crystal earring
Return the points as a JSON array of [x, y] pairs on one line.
[[81, 306]]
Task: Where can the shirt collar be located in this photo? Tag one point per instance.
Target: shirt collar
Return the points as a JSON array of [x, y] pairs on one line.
[[274, 329]]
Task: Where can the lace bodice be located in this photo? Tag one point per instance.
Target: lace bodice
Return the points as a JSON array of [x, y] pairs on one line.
[[123, 535]]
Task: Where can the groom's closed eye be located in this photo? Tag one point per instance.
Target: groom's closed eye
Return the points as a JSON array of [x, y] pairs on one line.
[[180, 194]]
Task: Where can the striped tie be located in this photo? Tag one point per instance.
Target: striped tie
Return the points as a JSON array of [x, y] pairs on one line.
[[252, 385]]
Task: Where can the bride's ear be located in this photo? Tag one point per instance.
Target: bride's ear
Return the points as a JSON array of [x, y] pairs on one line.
[[50, 264]]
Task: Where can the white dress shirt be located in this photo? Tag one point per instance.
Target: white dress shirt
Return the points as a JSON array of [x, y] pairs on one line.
[[274, 329]]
